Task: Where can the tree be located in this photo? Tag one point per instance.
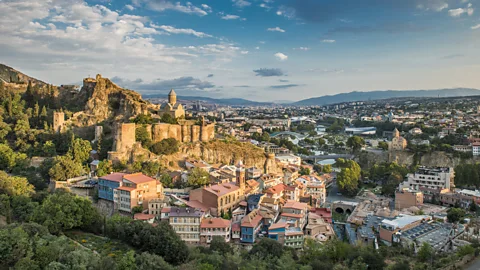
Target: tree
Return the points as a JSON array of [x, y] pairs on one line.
[[265, 248], [151, 168], [14, 185], [327, 169], [64, 167], [356, 143], [349, 176], [142, 135], [165, 147], [63, 211], [127, 261], [80, 150], [104, 167], [147, 261], [304, 171], [425, 252], [383, 146], [143, 119], [49, 149], [198, 177], [166, 180], [321, 141], [219, 245], [392, 183], [137, 209], [167, 118], [455, 215]]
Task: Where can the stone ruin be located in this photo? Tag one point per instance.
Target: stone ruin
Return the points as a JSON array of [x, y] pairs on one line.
[[186, 132]]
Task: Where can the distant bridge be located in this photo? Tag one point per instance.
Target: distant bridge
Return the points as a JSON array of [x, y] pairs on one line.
[[315, 159], [289, 133]]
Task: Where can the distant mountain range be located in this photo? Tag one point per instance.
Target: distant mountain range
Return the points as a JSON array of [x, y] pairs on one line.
[[223, 101], [376, 95]]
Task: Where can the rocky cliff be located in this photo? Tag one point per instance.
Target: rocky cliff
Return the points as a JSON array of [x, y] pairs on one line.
[[14, 80], [215, 152], [104, 100]]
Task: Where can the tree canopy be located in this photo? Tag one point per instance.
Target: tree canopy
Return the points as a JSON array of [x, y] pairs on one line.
[[356, 143], [198, 177], [349, 176], [165, 147]]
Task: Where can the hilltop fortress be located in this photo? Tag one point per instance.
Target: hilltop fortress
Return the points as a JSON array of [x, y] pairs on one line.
[[186, 131]]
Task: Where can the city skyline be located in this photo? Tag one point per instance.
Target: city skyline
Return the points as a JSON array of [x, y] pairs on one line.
[[256, 49]]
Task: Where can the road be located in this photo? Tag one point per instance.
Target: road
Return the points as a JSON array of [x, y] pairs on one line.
[[475, 265]]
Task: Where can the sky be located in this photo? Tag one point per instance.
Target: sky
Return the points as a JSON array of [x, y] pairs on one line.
[[263, 50]]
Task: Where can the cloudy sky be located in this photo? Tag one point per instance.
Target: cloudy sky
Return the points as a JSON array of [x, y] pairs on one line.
[[255, 49]]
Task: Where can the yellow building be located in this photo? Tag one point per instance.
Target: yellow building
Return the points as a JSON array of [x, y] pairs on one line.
[[398, 142], [172, 108]]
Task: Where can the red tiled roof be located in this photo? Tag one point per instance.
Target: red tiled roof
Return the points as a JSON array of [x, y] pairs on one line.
[[126, 188], [236, 227], [243, 203], [222, 189], [295, 205], [278, 225], [138, 178], [165, 210], [251, 220], [291, 215], [197, 204], [116, 177], [215, 223]]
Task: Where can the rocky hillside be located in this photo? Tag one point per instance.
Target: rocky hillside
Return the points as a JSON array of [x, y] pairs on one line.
[[104, 100], [12, 79], [215, 152]]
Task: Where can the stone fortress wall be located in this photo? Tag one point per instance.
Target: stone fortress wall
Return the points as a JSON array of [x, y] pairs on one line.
[[186, 132]]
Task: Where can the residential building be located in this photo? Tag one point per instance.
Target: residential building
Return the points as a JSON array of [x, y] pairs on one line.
[[317, 191], [289, 159], [406, 198], [254, 173], [136, 190], [463, 148], [415, 131], [250, 227], [211, 227], [269, 180], [193, 163], [186, 221], [286, 235], [144, 217], [431, 178], [295, 212], [155, 206], [476, 149], [219, 198], [318, 229], [107, 184], [390, 228]]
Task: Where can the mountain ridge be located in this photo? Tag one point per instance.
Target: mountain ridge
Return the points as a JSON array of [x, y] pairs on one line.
[[385, 94]]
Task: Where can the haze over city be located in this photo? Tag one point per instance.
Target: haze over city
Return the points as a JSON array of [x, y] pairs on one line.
[[263, 50]]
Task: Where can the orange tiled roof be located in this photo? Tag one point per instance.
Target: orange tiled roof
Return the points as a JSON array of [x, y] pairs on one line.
[[215, 223], [138, 178], [142, 216], [251, 220], [295, 205], [117, 177], [126, 188], [222, 189], [291, 215]]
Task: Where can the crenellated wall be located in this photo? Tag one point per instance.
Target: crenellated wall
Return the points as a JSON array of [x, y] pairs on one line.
[[185, 132]]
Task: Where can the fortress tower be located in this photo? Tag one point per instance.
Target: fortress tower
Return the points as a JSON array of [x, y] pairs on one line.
[[58, 121], [240, 175]]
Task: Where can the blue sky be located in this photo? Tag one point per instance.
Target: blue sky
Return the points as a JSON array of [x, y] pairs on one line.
[[264, 50]]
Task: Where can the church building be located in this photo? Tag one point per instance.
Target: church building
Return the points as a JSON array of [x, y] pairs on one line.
[[172, 108]]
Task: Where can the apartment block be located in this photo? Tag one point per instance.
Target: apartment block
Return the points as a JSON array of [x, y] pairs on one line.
[[186, 221]]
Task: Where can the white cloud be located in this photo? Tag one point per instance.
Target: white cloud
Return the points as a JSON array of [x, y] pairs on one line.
[[231, 17], [476, 26], [129, 7], [281, 56], [459, 11], [302, 48], [173, 30], [163, 5], [286, 12], [207, 8], [244, 52], [241, 3], [276, 29], [329, 41], [257, 48], [435, 5]]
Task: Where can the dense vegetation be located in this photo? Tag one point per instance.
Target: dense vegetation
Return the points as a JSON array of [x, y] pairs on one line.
[[467, 175]]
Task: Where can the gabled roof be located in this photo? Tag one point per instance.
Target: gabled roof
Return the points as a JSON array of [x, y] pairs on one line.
[[138, 178], [215, 223], [222, 189], [115, 177], [295, 205], [251, 220]]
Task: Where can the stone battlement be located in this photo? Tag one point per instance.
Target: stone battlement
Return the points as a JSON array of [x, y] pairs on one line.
[[186, 132]]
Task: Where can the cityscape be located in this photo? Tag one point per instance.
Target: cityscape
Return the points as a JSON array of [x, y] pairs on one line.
[[124, 145]]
